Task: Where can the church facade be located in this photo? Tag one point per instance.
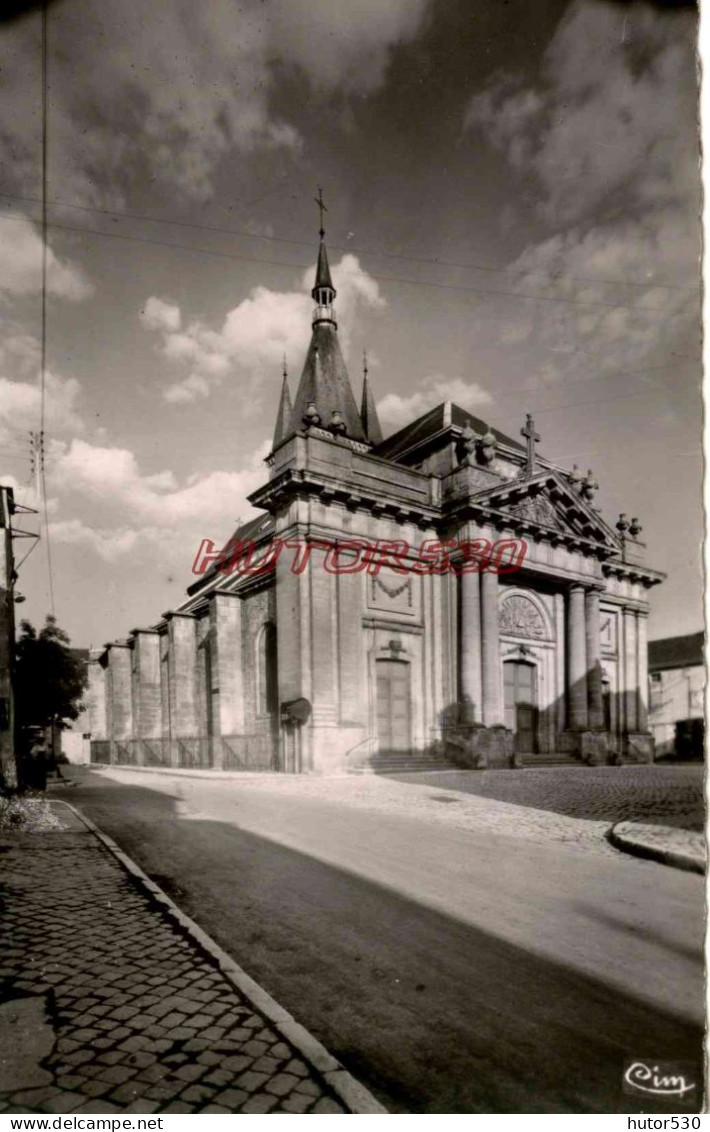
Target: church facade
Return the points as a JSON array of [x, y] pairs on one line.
[[445, 594]]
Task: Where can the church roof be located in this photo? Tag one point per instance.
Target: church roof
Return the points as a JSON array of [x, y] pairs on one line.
[[255, 530], [432, 423], [325, 382], [676, 652]]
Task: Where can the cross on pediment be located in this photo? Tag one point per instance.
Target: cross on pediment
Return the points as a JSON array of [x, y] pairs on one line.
[[532, 438]]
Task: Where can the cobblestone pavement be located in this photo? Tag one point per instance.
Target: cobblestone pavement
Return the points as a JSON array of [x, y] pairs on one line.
[[655, 793], [138, 1018]]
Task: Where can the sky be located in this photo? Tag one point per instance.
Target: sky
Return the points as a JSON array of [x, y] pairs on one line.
[[513, 224]]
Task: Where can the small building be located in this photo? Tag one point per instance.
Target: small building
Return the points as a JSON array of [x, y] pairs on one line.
[[73, 742], [676, 668], [499, 620]]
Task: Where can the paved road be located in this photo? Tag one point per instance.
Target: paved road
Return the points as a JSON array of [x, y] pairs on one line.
[[657, 793], [451, 969]]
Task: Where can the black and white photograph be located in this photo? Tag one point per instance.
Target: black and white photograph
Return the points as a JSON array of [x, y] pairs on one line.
[[352, 647]]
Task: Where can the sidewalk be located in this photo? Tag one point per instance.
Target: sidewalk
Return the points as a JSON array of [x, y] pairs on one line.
[[113, 1001]]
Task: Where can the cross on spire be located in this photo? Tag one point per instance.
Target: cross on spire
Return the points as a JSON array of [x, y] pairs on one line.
[[532, 438], [365, 370], [321, 209]]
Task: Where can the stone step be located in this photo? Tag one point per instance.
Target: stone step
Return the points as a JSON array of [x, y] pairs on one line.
[[365, 770], [551, 759], [398, 764]]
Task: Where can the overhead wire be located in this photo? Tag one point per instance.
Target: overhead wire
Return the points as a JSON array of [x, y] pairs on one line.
[[459, 287], [549, 276]]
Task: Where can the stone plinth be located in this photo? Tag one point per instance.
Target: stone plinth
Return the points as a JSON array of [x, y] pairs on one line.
[[638, 747], [474, 746], [591, 747]]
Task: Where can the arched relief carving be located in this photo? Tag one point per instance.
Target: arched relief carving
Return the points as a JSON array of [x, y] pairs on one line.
[[520, 615]]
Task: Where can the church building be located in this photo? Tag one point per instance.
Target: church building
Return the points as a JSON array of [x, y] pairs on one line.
[[445, 596]]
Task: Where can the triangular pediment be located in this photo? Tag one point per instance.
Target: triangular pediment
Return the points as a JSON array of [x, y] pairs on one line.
[[547, 502]]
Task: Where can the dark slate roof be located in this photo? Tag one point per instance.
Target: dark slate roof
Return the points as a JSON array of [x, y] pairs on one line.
[[325, 380], [368, 414], [676, 652], [431, 423], [254, 529], [284, 415]]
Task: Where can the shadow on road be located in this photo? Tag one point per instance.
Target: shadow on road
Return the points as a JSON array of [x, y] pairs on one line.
[[432, 1014]]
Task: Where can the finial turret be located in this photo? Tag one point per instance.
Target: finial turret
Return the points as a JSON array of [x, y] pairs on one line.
[[284, 417], [368, 409]]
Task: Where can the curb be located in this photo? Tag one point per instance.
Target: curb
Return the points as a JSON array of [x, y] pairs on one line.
[[188, 772], [350, 1091], [250, 775], [623, 836]]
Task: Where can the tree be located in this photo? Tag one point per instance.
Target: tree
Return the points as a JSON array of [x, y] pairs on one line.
[[49, 678]]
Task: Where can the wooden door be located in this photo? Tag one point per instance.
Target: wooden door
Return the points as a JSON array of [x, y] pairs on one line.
[[393, 705], [521, 703]]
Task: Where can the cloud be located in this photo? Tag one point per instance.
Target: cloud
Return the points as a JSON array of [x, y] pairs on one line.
[[187, 391], [113, 477], [339, 44], [21, 263], [609, 132], [257, 333], [108, 544], [20, 404], [167, 92], [613, 111], [159, 315], [395, 411]]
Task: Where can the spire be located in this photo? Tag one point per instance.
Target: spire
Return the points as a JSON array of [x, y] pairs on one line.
[[323, 279], [324, 292], [285, 413], [324, 398], [368, 411]]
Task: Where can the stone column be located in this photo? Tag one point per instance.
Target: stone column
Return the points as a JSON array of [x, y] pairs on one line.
[[490, 649], [120, 702], [594, 664], [352, 673], [165, 727], [642, 670], [182, 679], [630, 672], [576, 660], [470, 689], [226, 669], [147, 723], [96, 696]]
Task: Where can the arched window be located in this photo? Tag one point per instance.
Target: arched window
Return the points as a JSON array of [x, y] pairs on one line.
[[267, 696]]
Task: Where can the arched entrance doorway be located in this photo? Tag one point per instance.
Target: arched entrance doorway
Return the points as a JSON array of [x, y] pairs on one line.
[[393, 705], [519, 682]]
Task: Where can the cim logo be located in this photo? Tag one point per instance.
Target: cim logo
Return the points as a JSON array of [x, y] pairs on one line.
[[672, 1080]]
